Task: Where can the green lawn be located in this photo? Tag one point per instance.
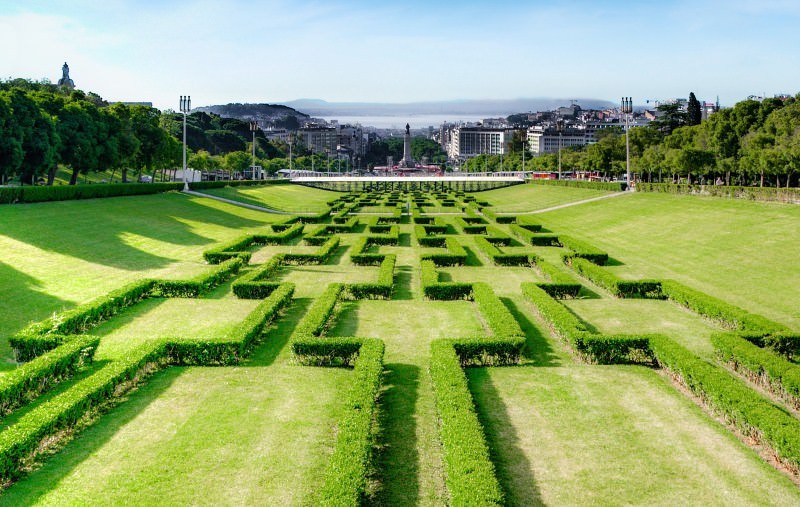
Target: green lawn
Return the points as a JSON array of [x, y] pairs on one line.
[[531, 197], [739, 251], [293, 198], [260, 433], [588, 435], [57, 255]]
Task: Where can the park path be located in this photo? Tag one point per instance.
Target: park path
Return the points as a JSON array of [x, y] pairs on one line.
[[567, 205], [237, 203]]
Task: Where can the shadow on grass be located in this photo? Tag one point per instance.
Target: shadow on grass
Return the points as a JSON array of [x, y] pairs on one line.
[[512, 465], [33, 487], [402, 283], [99, 230], [404, 239], [277, 335], [397, 457], [538, 348], [472, 259], [587, 293], [23, 300], [614, 262]]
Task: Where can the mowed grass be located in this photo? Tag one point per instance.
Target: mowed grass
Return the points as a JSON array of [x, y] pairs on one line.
[[258, 434], [57, 255], [409, 460], [619, 435], [177, 318], [291, 198], [643, 316], [532, 197], [739, 251]]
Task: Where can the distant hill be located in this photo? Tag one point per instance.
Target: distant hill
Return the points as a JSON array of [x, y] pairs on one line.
[[488, 108], [274, 114]]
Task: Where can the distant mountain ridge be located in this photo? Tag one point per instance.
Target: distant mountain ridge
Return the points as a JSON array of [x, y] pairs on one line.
[[262, 112], [317, 107]]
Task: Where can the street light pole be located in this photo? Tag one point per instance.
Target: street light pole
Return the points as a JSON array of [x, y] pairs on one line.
[[290, 151], [627, 109], [560, 128], [185, 107]]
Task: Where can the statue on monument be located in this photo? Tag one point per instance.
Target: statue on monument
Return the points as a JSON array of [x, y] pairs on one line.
[[65, 80], [407, 161]]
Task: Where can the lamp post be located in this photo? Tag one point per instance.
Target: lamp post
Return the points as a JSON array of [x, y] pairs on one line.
[[185, 107], [290, 151], [524, 141], [627, 109], [253, 129], [560, 129]]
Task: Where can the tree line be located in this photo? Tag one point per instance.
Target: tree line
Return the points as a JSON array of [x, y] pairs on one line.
[[752, 143]]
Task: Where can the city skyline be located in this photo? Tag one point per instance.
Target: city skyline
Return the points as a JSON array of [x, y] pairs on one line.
[[352, 51]]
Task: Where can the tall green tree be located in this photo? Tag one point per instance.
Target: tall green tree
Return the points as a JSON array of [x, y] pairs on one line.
[[694, 113]]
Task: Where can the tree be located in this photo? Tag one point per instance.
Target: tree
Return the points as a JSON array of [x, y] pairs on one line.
[[11, 153], [237, 161], [694, 114], [670, 118]]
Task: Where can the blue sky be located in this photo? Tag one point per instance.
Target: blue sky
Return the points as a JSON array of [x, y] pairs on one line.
[[273, 51]]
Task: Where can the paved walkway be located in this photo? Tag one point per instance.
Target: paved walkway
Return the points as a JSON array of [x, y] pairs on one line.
[[237, 203], [567, 205]]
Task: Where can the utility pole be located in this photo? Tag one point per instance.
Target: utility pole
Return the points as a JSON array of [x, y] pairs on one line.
[[626, 109], [185, 107]]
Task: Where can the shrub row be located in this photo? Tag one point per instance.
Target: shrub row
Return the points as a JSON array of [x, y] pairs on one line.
[[46, 334], [470, 228], [583, 250], [201, 185], [434, 289], [319, 257], [198, 285], [596, 348], [717, 310], [500, 258], [470, 474], [532, 238], [424, 239], [594, 185], [738, 192], [234, 346], [254, 285], [21, 439], [763, 367], [783, 343], [508, 340], [500, 219], [455, 256], [743, 408], [382, 289], [561, 284], [284, 223], [647, 289], [345, 478], [314, 321], [29, 194], [31, 379]]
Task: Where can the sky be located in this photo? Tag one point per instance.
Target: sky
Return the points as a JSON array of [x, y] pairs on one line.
[[405, 51]]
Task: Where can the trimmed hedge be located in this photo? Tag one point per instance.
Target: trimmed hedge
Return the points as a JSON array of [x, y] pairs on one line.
[[30, 194], [345, 478], [532, 238], [254, 285], [202, 185], [594, 185], [382, 289], [198, 285], [434, 289], [783, 343], [319, 257], [561, 284], [22, 438], [470, 474], [602, 349], [500, 219], [717, 310], [583, 250], [500, 258], [31, 379], [234, 346], [749, 412], [646, 289], [455, 256], [731, 192], [470, 227], [765, 368]]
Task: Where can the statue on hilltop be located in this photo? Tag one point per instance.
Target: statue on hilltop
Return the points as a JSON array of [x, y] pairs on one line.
[[65, 81]]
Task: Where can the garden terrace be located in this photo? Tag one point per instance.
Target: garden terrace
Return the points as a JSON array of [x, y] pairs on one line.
[[354, 362]]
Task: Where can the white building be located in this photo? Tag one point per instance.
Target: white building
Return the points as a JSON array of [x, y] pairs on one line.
[[466, 142], [546, 139]]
